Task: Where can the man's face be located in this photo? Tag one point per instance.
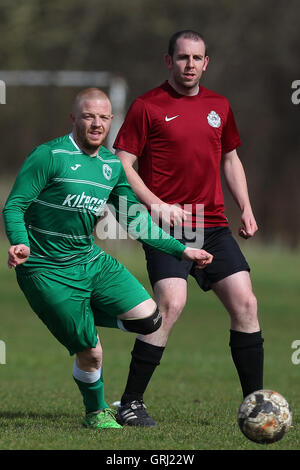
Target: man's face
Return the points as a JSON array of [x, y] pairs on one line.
[[91, 123], [187, 65]]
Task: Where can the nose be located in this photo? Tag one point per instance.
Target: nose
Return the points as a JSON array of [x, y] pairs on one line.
[[97, 121], [190, 62]]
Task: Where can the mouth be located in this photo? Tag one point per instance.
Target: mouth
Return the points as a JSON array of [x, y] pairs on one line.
[[94, 135], [189, 75]]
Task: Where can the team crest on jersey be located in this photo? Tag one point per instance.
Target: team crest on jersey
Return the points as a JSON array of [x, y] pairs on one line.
[[107, 171], [214, 119]]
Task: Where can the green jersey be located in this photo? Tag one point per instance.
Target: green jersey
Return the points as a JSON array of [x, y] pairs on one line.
[[58, 197]]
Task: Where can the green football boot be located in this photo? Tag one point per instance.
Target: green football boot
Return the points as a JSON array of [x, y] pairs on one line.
[[103, 420]]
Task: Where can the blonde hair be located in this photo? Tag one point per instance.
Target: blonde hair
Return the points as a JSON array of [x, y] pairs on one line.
[[88, 94]]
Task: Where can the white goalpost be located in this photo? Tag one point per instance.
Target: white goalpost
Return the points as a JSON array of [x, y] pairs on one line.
[[115, 85]]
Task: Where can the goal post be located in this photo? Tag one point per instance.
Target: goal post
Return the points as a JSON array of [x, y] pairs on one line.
[[115, 85]]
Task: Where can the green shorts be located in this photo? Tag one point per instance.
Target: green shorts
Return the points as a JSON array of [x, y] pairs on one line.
[[73, 301]]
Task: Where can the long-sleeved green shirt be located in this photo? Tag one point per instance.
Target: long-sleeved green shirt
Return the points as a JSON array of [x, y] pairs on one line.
[[58, 197]]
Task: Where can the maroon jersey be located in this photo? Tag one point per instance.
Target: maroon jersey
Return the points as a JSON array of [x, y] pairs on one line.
[[179, 141]]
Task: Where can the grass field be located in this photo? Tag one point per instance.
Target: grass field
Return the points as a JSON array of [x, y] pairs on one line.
[[194, 394]]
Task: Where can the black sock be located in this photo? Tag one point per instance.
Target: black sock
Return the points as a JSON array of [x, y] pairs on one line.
[[145, 358], [248, 356]]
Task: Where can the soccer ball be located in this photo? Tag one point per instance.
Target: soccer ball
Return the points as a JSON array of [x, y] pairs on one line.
[[264, 416]]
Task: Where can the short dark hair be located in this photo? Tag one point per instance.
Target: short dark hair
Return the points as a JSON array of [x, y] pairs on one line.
[[187, 34]]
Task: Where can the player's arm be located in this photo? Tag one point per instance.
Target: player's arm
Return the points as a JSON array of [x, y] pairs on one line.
[[30, 181], [135, 219], [171, 214], [236, 181]]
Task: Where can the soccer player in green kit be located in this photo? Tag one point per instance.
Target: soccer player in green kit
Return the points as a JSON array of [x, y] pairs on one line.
[[70, 283]]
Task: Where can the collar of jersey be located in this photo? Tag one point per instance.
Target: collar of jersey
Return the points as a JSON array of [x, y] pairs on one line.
[[71, 137]]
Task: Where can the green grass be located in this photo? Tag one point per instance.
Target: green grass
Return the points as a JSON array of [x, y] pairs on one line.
[[194, 394]]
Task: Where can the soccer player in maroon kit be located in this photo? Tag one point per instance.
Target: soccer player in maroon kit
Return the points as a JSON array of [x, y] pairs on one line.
[[181, 134]]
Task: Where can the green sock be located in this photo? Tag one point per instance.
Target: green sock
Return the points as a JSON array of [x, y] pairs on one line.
[[92, 392]]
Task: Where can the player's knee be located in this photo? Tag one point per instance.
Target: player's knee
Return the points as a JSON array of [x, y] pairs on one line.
[[172, 304], [250, 305], [245, 317], [95, 361], [142, 326], [90, 357], [173, 309]]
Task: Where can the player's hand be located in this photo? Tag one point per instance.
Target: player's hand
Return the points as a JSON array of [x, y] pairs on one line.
[[17, 254], [201, 257], [171, 214], [249, 227]]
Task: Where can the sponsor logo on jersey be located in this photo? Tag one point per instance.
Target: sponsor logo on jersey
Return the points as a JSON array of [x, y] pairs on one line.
[[75, 166], [107, 171], [167, 119], [214, 119], [83, 201]]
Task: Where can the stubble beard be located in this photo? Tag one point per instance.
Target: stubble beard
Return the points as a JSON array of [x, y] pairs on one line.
[[85, 143], [188, 85]]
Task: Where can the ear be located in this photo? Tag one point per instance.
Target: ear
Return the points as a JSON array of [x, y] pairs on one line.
[[206, 60], [168, 61], [72, 117]]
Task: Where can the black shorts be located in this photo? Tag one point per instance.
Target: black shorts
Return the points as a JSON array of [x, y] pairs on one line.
[[218, 241]]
